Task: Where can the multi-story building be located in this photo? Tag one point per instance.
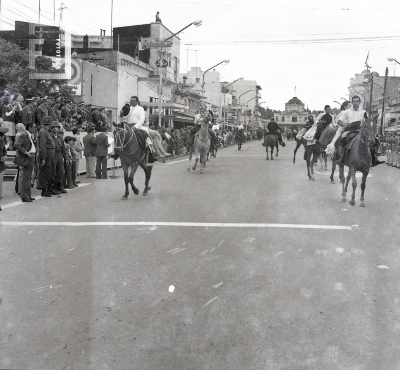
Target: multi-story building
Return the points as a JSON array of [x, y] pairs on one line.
[[213, 97], [361, 85]]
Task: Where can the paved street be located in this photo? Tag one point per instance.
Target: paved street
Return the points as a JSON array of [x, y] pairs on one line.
[[308, 283]]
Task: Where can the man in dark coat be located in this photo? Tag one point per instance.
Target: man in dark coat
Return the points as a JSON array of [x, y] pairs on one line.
[[45, 158], [25, 160], [89, 151], [101, 154], [273, 128], [41, 111]]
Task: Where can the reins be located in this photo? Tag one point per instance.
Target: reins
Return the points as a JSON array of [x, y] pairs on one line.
[[123, 146]]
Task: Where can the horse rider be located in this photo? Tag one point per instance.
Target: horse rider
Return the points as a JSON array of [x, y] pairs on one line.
[[323, 121], [197, 121], [274, 129], [351, 120], [136, 120]]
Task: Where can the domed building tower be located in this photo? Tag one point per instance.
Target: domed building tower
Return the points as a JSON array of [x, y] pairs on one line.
[[294, 115]]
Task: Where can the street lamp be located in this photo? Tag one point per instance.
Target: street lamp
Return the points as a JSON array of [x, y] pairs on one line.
[[393, 60], [197, 24], [224, 91], [239, 100], [226, 61], [247, 121]]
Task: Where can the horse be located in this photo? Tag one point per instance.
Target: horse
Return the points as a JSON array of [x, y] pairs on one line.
[[201, 146], [358, 158], [240, 138], [271, 141], [132, 155]]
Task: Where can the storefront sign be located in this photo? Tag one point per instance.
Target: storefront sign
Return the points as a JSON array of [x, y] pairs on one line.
[[154, 42]]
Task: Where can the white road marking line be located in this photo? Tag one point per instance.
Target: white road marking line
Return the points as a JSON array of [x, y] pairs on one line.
[[179, 250], [220, 242], [250, 240], [218, 285], [174, 224], [37, 197], [339, 250], [71, 249], [173, 250], [204, 252], [210, 301], [183, 160], [212, 250]]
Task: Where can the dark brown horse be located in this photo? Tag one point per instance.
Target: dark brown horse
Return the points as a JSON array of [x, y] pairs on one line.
[[271, 141], [133, 155], [358, 158]]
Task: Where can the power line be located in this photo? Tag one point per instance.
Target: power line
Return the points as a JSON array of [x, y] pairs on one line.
[[19, 15]]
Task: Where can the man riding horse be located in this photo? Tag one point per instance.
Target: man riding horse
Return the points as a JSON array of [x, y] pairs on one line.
[[351, 120], [197, 121], [274, 129]]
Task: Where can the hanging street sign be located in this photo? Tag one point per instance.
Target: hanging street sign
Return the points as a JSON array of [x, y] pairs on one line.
[[162, 63]]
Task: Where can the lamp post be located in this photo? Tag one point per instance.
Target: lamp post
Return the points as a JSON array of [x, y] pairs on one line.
[[247, 120], [224, 91], [259, 105], [393, 60], [197, 24], [239, 100], [226, 61]]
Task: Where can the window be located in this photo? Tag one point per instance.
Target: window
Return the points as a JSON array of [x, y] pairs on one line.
[[283, 118], [197, 80], [294, 119]]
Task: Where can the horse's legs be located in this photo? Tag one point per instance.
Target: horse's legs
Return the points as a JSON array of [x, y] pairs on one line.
[[346, 184], [126, 179], [190, 155], [147, 170], [196, 152], [298, 144], [364, 180], [333, 169], [326, 161], [354, 183], [277, 150], [133, 170], [342, 180]]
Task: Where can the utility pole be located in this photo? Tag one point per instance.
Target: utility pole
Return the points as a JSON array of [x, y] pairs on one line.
[[112, 6], [61, 12], [370, 95], [39, 13], [383, 100]]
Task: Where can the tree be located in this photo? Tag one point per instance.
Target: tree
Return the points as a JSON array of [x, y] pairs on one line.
[[14, 73]]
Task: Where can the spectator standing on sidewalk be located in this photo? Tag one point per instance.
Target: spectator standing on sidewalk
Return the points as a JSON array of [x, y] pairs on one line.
[[26, 151], [89, 151], [3, 154], [101, 154], [46, 157], [78, 148]]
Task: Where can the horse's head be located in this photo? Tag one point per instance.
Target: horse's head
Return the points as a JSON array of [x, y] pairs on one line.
[[368, 130]]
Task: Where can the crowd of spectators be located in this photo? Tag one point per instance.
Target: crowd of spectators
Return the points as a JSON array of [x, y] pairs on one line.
[[390, 146]]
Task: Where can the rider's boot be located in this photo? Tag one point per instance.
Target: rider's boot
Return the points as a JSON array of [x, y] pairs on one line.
[[282, 143]]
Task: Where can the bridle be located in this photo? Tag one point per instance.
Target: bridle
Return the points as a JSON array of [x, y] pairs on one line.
[[123, 145]]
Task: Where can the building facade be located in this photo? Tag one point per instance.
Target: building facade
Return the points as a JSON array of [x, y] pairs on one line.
[[294, 115]]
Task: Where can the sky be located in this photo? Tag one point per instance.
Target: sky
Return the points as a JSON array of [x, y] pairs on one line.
[[313, 46]]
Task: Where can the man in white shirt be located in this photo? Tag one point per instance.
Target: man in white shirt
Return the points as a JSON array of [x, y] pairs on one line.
[[136, 120], [351, 120]]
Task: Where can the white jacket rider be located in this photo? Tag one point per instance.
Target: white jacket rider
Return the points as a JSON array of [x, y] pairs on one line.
[[137, 119]]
